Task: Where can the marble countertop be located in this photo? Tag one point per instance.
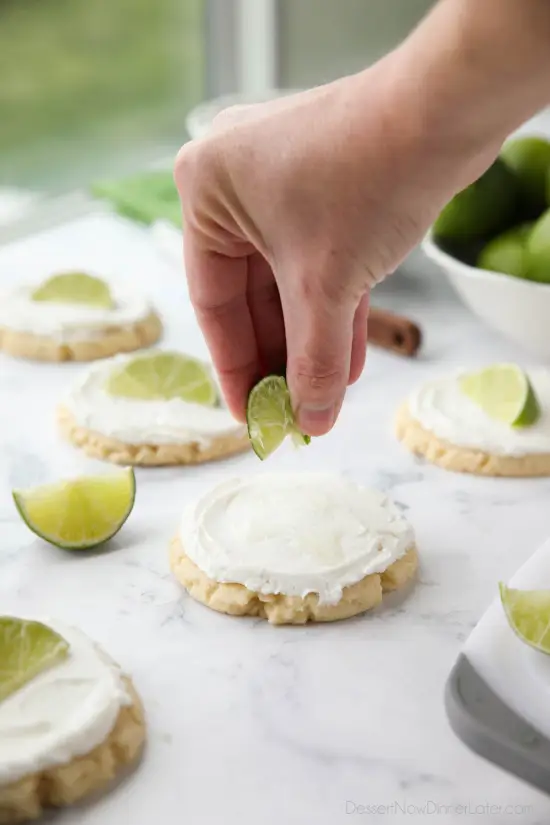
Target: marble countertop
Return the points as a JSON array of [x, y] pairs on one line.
[[250, 723]]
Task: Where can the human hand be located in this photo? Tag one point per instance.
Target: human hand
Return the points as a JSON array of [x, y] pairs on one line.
[[293, 210]]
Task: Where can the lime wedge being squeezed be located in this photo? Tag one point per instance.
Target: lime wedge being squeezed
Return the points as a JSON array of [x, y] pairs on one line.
[[504, 393], [81, 513], [26, 649], [270, 417], [528, 613], [162, 376], [75, 288]]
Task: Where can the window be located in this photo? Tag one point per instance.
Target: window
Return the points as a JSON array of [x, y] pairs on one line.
[[92, 86], [320, 39]]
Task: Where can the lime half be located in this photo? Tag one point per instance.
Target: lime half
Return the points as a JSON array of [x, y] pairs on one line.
[[528, 613], [164, 376], [75, 288], [26, 649], [504, 393], [81, 513], [270, 418]]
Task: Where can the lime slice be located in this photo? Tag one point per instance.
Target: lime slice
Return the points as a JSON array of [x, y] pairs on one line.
[[504, 393], [81, 513], [26, 649], [75, 288], [163, 376], [528, 613], [270, 418]]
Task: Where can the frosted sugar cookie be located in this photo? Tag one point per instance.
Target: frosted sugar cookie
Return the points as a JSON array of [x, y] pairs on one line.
[[154, 409], [443, 423], [70, 721], [293, 548], [74, 317]]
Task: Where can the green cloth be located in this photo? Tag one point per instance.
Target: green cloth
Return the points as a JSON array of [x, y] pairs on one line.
[[147, 197]]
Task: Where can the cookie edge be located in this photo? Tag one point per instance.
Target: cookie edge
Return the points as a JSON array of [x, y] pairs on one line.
[[64, 785], [237, 600], [115, 340], [424, 444], [96, 445]]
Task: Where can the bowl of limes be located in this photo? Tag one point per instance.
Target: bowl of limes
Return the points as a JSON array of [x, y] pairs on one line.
[[493, 241]]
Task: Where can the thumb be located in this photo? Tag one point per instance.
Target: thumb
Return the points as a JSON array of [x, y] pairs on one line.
[[319, 334]]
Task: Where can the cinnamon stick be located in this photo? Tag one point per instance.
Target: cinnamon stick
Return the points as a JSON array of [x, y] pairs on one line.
[[394, 332]]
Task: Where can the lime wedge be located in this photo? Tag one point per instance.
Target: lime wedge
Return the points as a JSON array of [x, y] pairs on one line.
[[81, 513], [504, 393], [270, 418], [75, 288], [528, 613], [26, 649], [164, 376]]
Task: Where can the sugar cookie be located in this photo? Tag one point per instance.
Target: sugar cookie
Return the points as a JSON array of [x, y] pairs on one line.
[[293, 548], [440, 423], [69, 732]]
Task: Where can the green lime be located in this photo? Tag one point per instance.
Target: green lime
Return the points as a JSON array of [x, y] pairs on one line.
[[80, 513], [75, 288], [162, 376], [538, 250], [504, 393], [484, 208], [270, 418], [528, 613], [507, 253], [529, 158], [26, 649]]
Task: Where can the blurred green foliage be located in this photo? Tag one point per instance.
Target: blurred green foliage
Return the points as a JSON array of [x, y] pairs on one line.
[[108, 71]]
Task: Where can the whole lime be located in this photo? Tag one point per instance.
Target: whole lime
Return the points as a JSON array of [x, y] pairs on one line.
[[529, 158], [507, 253], [538, 250], [484, 208]]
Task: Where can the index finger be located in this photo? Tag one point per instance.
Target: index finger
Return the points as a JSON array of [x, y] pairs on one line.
[[217, 287]]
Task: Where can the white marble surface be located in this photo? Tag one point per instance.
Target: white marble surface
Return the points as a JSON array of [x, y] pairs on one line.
[[250, 723]]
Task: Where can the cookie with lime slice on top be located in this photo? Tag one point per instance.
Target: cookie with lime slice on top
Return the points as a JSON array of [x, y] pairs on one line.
[[75, 316], [152, 409], [492, 422], [70, 721]]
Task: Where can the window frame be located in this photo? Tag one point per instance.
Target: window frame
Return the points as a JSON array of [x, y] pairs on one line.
[[235, 60]]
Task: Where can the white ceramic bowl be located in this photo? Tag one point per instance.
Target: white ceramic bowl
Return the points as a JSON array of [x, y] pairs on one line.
[[518, 309], [199, 120]]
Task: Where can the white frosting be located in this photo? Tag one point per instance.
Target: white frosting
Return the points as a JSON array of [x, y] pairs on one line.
[[444, 410], [68, 322], [64, 712], [294, 534], [133, 421]]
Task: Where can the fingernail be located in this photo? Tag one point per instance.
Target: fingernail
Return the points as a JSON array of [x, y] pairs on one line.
[[316, 420]]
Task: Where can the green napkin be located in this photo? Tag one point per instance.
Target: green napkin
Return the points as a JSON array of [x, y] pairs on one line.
[[146, 197]]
